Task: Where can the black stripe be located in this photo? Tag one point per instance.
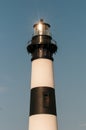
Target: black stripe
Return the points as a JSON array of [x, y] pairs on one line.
[[41, 46], [42, 101]]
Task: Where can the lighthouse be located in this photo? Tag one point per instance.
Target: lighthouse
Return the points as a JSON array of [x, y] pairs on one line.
[[42, 115]]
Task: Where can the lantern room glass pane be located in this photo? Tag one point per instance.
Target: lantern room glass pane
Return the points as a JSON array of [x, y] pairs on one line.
[[41, 29]]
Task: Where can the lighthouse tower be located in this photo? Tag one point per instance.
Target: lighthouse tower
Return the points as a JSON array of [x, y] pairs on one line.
[[42, 114]]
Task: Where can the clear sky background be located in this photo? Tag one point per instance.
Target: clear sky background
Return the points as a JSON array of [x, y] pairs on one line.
[[68, 27]]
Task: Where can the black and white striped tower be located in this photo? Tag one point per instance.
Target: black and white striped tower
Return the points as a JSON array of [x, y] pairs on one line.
[[42, 100]]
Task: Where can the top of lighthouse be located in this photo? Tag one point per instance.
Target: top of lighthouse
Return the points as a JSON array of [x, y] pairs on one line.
[[42, 45], [41, 28]]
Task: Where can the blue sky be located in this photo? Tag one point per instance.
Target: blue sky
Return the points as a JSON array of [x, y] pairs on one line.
[[68, 27]]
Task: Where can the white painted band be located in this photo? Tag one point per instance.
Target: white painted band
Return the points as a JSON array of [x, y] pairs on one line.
[[42, 73], [43, 122]]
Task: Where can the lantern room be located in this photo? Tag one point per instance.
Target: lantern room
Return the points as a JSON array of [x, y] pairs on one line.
[[41, 28]]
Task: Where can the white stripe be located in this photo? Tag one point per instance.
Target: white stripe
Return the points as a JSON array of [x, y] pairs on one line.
[[43, 122], [42, 73]]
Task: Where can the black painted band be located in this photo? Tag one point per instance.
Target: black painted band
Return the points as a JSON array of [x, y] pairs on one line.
[[42, 101], [41, 46], [41, 51]]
